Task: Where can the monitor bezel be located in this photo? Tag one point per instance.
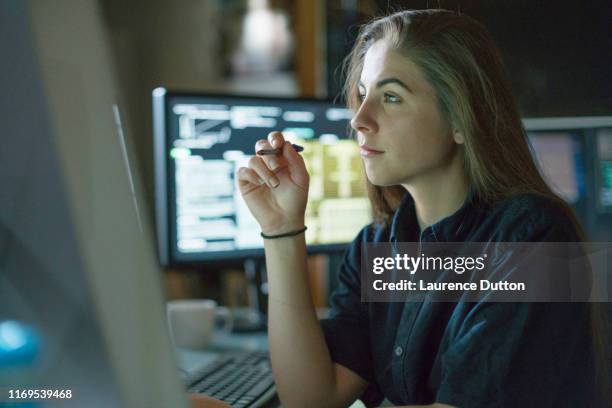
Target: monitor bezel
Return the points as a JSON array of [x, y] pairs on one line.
[[163, 217]]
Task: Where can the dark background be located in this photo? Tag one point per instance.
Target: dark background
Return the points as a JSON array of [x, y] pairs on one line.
[[558, 53]]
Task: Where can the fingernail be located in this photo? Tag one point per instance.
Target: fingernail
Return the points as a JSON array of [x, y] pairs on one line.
[[273, 163], [273, 182], [275, 142]]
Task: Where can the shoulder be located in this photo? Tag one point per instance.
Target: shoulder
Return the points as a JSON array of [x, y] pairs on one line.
[[534, 217]]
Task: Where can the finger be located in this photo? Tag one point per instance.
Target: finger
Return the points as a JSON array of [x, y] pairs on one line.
[[204, 401], [276, 139], [263, 171], [248, 178], [262, 144], [274, 162]]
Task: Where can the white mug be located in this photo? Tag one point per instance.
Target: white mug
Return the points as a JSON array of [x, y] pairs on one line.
[[192, 322]]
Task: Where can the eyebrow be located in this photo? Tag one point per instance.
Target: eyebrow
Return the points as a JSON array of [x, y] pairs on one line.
[[386, 81]]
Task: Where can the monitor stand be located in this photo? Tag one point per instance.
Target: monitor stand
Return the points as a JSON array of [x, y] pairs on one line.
[[253, 318]]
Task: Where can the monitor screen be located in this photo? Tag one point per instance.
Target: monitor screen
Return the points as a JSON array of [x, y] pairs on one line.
[[200, 142], [559, 157], [604, 156]]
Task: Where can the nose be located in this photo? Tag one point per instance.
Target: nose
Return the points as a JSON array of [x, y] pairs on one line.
[[364, 121]]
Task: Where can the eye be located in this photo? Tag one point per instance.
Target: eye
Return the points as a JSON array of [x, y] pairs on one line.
[[361, 96], [390, 98]]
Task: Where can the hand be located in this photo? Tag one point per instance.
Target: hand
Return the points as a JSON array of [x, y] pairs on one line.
[[275, 188], [202, 401]]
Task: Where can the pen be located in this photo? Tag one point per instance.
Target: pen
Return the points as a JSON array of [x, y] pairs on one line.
[[265, 152]]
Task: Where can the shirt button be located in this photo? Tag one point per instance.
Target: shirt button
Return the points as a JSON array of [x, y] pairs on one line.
[[398, 351]]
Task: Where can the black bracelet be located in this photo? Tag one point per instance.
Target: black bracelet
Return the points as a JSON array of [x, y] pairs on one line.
[[288, 234]]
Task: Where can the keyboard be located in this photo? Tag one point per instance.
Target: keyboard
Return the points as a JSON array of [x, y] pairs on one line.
[[241, 379]]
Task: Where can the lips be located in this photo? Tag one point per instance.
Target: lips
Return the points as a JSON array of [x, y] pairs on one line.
[[366, 150]]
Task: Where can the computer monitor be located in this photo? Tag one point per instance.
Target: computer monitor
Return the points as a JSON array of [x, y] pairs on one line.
[[574, 155], [604, 169], [76, 266], [558, 155], [202, 139]]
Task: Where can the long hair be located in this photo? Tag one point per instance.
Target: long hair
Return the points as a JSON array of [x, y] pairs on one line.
[[461, 62]]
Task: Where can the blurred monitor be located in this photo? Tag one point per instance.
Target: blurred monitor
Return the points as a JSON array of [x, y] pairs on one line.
[[559, 158], [604, 169], [200, 142], [574, 155], [76, 265]]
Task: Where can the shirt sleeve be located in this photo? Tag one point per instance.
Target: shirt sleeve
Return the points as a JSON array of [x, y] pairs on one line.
[[508, 354], [346, 330]]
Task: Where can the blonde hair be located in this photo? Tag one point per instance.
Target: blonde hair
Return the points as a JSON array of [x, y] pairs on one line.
[[459, 59]]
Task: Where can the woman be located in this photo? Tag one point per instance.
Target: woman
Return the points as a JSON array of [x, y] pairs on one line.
[[446, 159]]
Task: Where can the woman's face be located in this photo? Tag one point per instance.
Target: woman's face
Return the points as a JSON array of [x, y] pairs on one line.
[[402, 135]]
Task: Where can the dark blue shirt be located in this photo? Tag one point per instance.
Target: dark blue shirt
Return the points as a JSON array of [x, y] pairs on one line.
[[465, 354]]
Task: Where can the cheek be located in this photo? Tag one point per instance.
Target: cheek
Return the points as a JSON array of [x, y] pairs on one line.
[[433, 126], [422, 139]]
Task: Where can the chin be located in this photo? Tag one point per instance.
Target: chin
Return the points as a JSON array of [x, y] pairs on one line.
[[382, 181], [387, 176], [389, 181]]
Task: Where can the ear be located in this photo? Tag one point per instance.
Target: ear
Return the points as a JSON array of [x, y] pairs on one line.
[[458, 137]]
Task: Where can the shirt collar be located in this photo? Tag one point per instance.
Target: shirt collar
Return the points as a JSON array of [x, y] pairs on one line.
[[455, 227]]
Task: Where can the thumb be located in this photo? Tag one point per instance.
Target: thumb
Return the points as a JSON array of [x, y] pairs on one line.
[[295, 164]]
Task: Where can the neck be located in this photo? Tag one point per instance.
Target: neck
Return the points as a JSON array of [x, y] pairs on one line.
[[437, 196]]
